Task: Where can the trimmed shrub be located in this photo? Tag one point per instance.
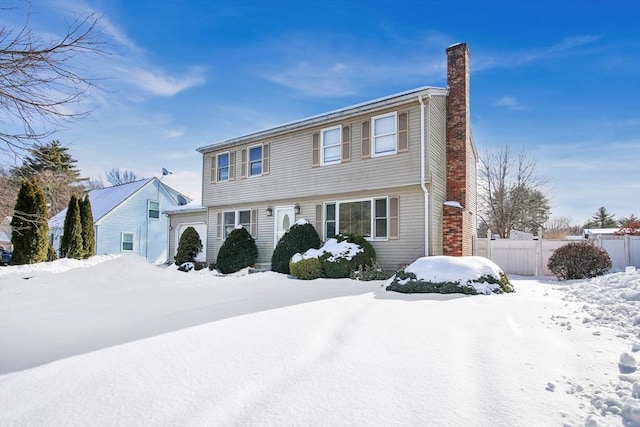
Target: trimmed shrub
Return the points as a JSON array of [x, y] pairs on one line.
[[71, 245], [238, 251], [579, 261], [299, 238], [336, 266], [415, 286], [370, 272], [189, 246], [306, 269]]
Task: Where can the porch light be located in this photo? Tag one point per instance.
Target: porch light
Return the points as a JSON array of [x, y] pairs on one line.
[[269, 211], [296, 208]]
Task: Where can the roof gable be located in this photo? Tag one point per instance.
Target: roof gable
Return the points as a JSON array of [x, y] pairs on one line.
[[105, 200]]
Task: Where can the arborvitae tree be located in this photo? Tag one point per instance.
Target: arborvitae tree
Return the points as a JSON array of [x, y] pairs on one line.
[[71, 243], [88, 232], [602, 219], [189, 246], [30, 230]]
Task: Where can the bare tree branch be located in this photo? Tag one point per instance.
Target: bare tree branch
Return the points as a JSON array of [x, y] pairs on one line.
[[40, 85]]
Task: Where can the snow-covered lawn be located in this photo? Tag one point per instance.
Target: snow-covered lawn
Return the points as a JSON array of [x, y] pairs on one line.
[[123, 342]]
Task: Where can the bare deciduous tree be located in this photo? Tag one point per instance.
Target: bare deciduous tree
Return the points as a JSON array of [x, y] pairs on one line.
[[511, 195], [41, 85], [115, 176]]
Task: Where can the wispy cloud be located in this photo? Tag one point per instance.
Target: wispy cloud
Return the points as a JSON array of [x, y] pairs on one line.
[[158, 82], [331, 66], [575, 45], [511, 103]]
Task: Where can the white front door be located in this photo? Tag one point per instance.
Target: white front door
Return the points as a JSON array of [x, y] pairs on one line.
[[285, 218]]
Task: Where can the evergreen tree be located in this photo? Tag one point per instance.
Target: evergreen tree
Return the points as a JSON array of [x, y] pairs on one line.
[[88, 232], [56, 169], [189, 246], [602, 219], [71, 243], [632, 219], [30, 230]]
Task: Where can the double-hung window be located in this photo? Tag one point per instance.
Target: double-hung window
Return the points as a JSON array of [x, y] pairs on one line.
[[368, 218], [127, 242], [331, 145], [234, 219], [255, 160], [153, 209], [384, 134], [223, 167]]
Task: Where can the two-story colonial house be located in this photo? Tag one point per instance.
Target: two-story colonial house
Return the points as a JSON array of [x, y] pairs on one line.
[[399, 170]]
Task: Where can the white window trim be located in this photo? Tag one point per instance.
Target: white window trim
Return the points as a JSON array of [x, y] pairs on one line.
[[236, 220], [218, 166], [133, 237], [373, 134], [249, 175], [149, 209], [322, 147], [373, 217]]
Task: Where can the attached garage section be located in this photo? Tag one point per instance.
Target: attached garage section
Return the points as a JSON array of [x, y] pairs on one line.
[[183, 218]]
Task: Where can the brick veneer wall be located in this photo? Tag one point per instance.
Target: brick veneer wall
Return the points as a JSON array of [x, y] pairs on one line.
[[457, 223]]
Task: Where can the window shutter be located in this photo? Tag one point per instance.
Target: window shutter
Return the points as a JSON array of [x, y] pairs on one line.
[[319, 220], [403, 132], [243, 163], [265, 159], [254, 223], [213, 168], [394, 217], [366, 139], [232, 165], [346, 143], [315, 150], [219, 227]]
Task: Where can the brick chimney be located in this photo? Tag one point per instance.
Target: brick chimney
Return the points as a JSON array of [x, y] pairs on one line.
[[457, 221]]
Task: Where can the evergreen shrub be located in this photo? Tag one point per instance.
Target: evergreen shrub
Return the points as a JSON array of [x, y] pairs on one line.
[[88, 232], [71, 244], [408, 283], [238, 251], [299, 238], [189, 246], [579, 261], [306, 269], [370, 272], [340, 267]]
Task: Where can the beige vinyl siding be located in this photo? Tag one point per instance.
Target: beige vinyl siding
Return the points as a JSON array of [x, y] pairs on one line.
[[292, 175], [391, 253], [436, 170]]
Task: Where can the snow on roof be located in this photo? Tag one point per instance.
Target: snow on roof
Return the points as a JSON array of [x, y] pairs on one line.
[[190, 207], [103, 200], [600, 230]]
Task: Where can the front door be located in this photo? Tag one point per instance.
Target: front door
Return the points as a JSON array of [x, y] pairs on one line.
[[285, 218]]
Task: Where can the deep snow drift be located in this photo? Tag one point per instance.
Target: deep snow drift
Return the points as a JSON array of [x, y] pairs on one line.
[[123, 342]]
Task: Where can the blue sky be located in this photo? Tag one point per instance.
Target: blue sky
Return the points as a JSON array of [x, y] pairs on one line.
[[557, 79]]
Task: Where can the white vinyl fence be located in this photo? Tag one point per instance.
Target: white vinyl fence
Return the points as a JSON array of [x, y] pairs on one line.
[[530, 257]]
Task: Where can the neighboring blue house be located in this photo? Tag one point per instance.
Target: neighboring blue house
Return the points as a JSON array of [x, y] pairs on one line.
[[128, 219]]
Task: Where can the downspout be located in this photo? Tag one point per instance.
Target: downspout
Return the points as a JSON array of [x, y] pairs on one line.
[[423, 172]]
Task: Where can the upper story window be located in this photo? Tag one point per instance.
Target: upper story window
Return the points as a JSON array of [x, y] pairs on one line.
[[384, 134], [331, 145], [154, 209], [223, 167], [127, 242], [255, 160]]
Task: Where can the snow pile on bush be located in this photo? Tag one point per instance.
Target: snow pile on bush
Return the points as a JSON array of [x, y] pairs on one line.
[[446, 274], [334, 248]]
